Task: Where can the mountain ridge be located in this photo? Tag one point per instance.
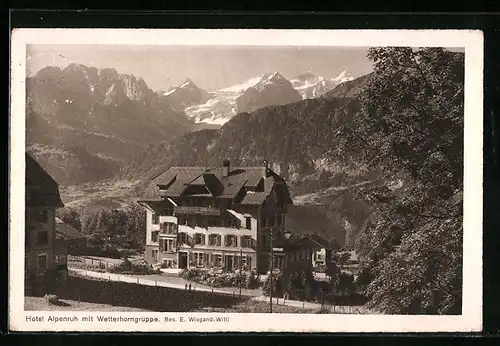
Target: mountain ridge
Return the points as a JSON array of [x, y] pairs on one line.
[[251, 94], [82, 120]]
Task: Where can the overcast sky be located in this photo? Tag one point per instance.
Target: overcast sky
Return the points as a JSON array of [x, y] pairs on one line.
[[209, 67]]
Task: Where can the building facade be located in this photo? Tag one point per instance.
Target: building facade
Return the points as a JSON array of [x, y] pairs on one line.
[[215, 217], [45, 257], [325, 250]]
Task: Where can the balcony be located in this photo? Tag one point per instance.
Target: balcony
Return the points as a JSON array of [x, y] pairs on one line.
[[168, 228], [189, 210]]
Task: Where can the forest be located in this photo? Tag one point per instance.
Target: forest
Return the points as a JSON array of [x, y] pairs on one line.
[[110, 233]]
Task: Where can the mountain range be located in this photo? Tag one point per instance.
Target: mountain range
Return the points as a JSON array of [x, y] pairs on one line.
[[297, 139], [86, 124], [82, 123], [252, 94]]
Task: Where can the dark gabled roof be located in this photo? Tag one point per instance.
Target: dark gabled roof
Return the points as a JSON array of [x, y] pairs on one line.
[[182, 176], [177, 179], [259, 197], [37, 176], [44, 191], [298, 242], [66, 232], [323, 242]]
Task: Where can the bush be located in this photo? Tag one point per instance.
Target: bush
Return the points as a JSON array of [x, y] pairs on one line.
[[135, 268], [52, 299], [215, 277], [323, 310], [252, 281]]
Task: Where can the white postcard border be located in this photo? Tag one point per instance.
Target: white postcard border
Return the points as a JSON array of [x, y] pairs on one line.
[[470, 320]]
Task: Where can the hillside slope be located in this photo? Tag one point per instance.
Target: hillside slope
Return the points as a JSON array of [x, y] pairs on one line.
[[82, 123]]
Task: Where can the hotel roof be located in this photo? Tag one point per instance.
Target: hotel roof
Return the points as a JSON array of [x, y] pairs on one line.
[[176, 180]]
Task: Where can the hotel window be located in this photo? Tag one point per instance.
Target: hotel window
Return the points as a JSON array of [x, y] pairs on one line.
[[248, 262], [41, 215], [154, 236], [156, 218], [42, 261], [199, 239], [169, 228], [217, 260], [214, 240], [182, 238], [244, 241], [231, 240], [168, 245], [248, 223], [42, 238], [198, 258], [154, 254]]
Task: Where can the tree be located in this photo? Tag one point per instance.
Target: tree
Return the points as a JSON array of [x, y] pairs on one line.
[[277, 284], [410, 125], [71, 217], [345, 284], [332, 270], [88, 224]]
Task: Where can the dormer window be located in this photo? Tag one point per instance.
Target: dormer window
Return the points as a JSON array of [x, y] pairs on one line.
[[248, 222]]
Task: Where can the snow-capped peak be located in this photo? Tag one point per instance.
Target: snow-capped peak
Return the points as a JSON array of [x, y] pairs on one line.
[[270, 78], [243, 86], [188, 83], [309, 85], [344, 76]]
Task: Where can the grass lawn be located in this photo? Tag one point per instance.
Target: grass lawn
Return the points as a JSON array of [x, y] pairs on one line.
[[257, 307], [40, 304]]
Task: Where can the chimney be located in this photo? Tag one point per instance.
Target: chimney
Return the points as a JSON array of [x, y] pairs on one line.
[[227, 168], [265, 169]]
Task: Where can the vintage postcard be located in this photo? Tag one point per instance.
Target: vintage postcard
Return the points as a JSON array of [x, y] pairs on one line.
[[246, 180]]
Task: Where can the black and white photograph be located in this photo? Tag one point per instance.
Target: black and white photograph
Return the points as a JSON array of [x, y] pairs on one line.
[[205, 186]]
